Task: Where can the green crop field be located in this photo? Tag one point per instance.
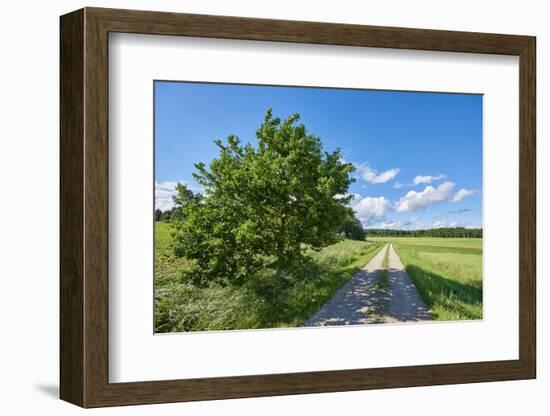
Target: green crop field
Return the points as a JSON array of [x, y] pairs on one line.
[[180, 306], [447, 273]]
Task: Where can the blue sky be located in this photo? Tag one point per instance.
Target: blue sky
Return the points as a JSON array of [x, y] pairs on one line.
[[418, 155]]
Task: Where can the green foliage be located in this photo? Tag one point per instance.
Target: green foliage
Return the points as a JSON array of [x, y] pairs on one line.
[[168, 215], [263, 206], [181, 306], [455, 232], [352, 229], [158, 215], [449, 299]]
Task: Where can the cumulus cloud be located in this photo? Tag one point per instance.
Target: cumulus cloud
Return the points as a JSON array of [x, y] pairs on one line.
[[419, 180], [444, 224], [370, 209], [164, 191], [463, 193], [373, 176], [396, 225], [414, 224], [413, 200], [451, 224], [426, 179], [352, 195]]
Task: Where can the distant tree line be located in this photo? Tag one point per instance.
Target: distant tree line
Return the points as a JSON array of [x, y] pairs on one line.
[[168, 215], [447, 232]]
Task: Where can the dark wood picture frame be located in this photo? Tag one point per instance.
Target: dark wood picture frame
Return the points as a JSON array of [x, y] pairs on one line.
[[84, 207]]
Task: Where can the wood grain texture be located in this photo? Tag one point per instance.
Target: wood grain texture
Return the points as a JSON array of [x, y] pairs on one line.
[[528, 207], [71, 219], [96, 208], [84, 207], [225, 27]]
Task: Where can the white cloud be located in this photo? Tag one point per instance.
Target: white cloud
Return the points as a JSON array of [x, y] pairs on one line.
[[413, 200], [450, 224], [463, 193], [419, 180], [426, 179], [414, 224], [396, 225], [371, 208], [164, 191], [352, 195], [443, 224], [373, 176]]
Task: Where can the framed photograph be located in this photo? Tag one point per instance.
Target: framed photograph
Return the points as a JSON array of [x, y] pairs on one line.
[[255, 207]]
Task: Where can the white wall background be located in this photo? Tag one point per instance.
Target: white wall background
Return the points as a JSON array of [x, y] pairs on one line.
[[29, 158]]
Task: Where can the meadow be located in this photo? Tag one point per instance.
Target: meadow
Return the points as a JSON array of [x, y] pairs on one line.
[[447, 273], [180, 306]]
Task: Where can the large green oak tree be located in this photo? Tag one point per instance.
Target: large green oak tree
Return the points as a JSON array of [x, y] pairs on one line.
[[262, 206]]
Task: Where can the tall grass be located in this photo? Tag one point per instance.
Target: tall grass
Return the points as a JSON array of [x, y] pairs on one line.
[[180, 306]]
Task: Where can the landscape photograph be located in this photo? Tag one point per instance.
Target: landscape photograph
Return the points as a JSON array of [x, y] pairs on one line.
[[289, 206]]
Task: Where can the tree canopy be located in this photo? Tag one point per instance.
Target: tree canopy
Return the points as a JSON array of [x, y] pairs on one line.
[[353, 229], [263, 205]]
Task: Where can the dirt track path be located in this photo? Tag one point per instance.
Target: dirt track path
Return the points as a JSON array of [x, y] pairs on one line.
[[406, 305], [353, 301], [360, 301]]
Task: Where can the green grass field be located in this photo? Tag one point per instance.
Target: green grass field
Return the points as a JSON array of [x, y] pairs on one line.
[[447, 273], [180, 306]]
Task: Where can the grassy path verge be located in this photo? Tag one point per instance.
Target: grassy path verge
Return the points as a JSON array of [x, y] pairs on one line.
[[447, 274], [181, 307]]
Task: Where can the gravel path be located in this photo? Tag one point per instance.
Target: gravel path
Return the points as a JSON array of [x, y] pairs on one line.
[[360, 300], [351, 303], [406, 305]]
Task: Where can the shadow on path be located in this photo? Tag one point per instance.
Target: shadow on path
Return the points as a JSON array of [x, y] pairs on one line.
[[354, 302], [406, 305], [363, 300]]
